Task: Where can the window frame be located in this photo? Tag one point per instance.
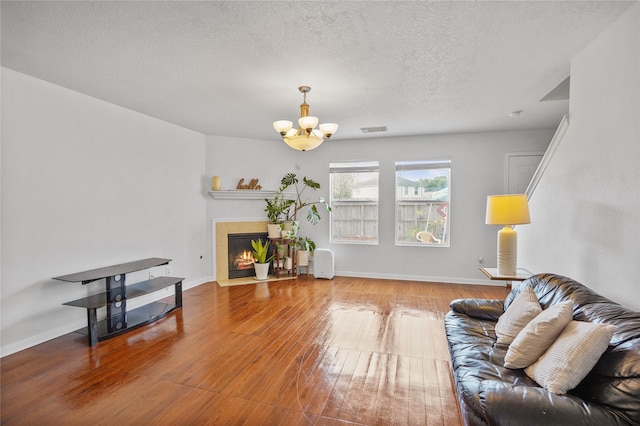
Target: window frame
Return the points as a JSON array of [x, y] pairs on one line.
[[419, 165], [355, 166]]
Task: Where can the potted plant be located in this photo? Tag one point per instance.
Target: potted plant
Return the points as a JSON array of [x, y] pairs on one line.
[[292, 207], [305, 246], [289, 232], [261, 257], [275, 209]]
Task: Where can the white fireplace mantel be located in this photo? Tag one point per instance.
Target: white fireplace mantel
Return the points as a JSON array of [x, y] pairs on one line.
[[246, 194], [241, 194]]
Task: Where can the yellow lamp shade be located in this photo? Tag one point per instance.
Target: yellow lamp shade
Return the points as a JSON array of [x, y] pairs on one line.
[[510, 209]]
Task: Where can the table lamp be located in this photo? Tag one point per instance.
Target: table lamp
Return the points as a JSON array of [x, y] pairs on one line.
[[507, 210]]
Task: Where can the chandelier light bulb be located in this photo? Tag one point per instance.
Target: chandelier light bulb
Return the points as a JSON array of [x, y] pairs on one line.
[[328, 129], [308, 123], [282, 126]]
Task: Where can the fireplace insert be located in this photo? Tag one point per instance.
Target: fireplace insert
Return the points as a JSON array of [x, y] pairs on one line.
[[240, 258]]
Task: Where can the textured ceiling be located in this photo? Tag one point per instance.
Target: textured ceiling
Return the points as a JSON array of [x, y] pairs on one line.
[[232, 68]]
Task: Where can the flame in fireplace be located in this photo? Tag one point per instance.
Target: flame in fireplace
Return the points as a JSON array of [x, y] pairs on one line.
[[243, 260]]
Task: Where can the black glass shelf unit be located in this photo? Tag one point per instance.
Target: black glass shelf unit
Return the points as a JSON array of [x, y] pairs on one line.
[[117, 319]]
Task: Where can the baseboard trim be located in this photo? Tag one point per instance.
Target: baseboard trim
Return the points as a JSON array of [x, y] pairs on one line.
[[422, 278]]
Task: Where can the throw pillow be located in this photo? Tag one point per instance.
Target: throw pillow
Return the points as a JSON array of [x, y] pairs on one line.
[[523, 309], [570, 358], [536, 337]]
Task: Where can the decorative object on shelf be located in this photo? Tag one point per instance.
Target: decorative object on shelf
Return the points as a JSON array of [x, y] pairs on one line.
[[262, 258], [215, 183], [253, 184], [507, 210], [306, 137], [298, 203]]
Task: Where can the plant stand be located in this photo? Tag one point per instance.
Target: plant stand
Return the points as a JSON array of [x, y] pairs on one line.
[[278, 264]]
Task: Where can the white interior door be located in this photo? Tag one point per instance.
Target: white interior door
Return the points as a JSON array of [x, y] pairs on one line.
[[519, 169]]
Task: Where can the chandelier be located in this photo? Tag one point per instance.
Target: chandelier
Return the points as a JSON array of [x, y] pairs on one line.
[[307, 136]]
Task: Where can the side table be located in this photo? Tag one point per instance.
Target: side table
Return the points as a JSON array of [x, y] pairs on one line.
[[492, 273]]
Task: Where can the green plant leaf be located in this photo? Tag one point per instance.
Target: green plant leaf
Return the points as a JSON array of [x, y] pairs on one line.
[[288, 180], [311, 183], [312, 215], [260, 251]]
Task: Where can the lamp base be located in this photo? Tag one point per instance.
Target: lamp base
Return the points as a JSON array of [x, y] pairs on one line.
[[507, 251]]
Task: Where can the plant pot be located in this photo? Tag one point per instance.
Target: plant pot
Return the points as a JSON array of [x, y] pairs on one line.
[[283, 263], [303, 258], [288, 224], [273, 229], [262, 270]]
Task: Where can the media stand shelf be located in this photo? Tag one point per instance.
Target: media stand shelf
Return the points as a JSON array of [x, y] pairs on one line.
[[118, 320]]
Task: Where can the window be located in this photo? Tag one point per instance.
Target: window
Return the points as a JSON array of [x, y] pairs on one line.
[[422, 203], [354, 202]]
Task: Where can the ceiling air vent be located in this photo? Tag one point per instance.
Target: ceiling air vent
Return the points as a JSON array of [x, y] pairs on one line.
[[373, 129]]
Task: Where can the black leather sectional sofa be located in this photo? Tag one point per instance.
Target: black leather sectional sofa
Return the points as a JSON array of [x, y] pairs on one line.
[[490, 394]]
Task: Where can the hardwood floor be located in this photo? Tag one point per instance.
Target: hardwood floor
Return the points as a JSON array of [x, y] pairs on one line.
[[305, 352]]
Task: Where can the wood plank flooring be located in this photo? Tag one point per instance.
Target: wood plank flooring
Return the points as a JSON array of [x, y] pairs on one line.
[[296, 352]]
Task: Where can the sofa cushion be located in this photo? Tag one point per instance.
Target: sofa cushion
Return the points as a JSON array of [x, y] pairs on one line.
[[570, 358], [523, 309], [536, 337]]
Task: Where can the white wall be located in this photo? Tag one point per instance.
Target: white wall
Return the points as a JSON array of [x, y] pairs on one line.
[[87, 184], [477, 171], [586, 208]]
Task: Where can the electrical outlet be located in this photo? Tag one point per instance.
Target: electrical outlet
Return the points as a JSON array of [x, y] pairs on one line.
[[480, 260]]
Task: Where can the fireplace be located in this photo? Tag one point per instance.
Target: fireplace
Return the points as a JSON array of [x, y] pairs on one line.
[[240, 258], [221, 230]]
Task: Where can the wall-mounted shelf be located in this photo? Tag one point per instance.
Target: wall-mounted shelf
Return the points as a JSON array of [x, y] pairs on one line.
[[246, 194], [242, 194]]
